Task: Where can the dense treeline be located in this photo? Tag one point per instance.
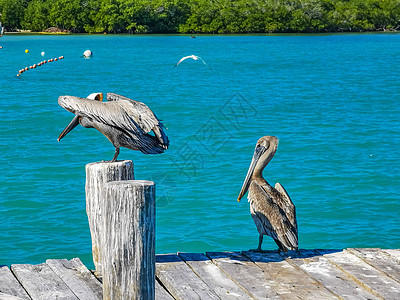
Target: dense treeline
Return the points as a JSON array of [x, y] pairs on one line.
[[201, 16]]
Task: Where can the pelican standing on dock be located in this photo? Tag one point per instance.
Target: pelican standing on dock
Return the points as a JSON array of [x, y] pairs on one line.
[[272, 209], [125, 122]]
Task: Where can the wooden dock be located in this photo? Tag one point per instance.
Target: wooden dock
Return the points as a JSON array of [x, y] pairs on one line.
[[310, 274]]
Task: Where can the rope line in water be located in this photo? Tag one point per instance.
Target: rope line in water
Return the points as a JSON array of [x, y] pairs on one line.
[[39, 64]]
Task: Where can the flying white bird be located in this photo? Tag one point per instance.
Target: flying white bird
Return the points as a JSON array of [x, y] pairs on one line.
[[195, 57]]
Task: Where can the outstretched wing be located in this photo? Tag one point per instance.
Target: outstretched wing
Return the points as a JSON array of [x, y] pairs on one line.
[[202, 60], [286, 204], [270, 216], [142, 115], [182, 59], [101, 112]]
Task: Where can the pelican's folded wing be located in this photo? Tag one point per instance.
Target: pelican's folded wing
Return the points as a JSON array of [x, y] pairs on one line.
[[267, 207], [102, 112], [142, 115], [287, 205]]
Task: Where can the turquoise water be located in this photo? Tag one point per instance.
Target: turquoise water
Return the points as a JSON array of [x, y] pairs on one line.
[[332, 100]]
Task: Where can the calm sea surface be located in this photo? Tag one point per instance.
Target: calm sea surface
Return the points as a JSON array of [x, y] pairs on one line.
[[332, 100]]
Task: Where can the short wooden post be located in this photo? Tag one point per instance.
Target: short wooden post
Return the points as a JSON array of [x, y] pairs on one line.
[[128, 240], [97, 174]]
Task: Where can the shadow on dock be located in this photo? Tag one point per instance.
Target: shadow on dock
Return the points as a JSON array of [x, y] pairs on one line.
[[264, 256]]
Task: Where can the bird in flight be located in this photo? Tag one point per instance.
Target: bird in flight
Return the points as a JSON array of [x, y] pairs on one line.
[[195, 57]]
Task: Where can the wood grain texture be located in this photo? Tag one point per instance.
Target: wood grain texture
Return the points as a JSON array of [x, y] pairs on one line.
[[287, 281], [127, 239], [4, 296], [244, 273], [180, 280], [369, 277], [222, 285], [42, 283], [97, 174], [381, 260], [9, 284], [161, 292], [77, 277], [335, 280], [349, 274]]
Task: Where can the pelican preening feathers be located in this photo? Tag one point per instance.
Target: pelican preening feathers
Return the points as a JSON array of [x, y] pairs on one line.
[[195, 57], [125, 122], [272, 209]]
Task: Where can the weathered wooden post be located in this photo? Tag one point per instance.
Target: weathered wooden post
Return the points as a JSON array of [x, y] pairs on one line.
[[128, 240], [97, 174]]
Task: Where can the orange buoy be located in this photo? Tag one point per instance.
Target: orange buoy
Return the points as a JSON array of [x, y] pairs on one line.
[[26, 68]]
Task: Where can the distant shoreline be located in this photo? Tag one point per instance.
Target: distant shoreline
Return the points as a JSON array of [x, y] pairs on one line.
[[201, 34]]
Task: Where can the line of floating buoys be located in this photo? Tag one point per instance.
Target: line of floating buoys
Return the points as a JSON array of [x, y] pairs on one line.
[[39, 64]]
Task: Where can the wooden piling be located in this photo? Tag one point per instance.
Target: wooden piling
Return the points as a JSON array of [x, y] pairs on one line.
[[97, 174], [128, 240]]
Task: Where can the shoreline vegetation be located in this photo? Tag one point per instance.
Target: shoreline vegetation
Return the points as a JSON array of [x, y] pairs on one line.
[[199, 16]]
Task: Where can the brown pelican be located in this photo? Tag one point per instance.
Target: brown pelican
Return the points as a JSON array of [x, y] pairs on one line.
[[195, 57], [272, 209], [125, 122]]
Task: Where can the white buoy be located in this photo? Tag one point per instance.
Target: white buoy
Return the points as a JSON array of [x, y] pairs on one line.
[[43, 53], [87, 54]]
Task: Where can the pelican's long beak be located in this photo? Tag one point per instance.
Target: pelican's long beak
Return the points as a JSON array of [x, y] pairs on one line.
[[72, 125], [258, 152]]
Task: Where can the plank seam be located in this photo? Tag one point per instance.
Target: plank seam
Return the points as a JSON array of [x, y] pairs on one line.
[[351, 250], [298, 268], [360, 283], [98, 277], [287, 259], [15, 276], [193, 290], [163, 286], [218, 268], [231, 278]]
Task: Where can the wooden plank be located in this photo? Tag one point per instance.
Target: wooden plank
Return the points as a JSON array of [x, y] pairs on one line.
[[180, 280], [4, 296], [366, 275], [161, 293], [10, 285], [395, 253], [78, 278], [222, 285], [286, 280], [244, 273], [330, 276], [380, 260], [42, 283]]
